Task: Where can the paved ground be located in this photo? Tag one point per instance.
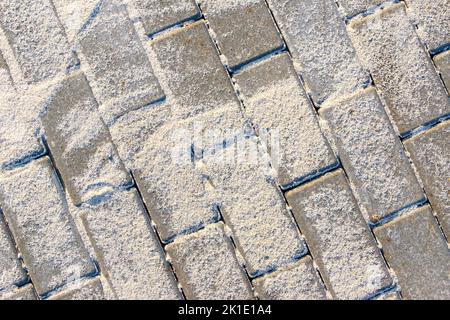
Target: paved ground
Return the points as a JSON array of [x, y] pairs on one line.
[[238, 149]]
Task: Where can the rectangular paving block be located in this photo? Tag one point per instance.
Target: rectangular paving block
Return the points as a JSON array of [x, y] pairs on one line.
[[157, 15], [416, 250], [118, 67], [389, 47], [252, 206], [207, 267], [83, 290], [128, 252], [278, 107], [80, 142], [442, 62], [317, 38], [74, 14], [299, 281], [11, 271], [432, 20], [36, 37], [372, 154], [244, 30], [18, 127], [340, 241], [354, 7], [24, 293], [37, 213], [187, 62], [430, 152], [175, 192]]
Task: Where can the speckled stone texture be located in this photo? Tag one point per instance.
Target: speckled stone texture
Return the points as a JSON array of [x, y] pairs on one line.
[[207, 266], [278, 107], [429, 151], [122, 237], [297, 282], [244, 30], [442, 62], [36, 37], [50, 245], [224, 149], [87, 290], [343, 247], [372, 154], [320, 46], [417, 252], [353, 7], [389, 47]]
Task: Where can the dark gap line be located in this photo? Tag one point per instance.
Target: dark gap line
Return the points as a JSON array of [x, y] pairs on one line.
[[393, 288], [19, 256], [175, 26], [371, 231], [311, 177], [67, 285], [158, 237], [371, 10], [235, 70]]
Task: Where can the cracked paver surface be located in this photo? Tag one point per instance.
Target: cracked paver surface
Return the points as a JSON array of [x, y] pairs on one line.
[[224, 149]]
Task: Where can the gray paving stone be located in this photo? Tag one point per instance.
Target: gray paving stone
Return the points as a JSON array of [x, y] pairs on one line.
[[252, 206], [35, 208], [17, 132], [317, 38], [131, 132], [244, 30], [432, 19], [354, 7], [127, 249], [36, 37], [24, 293], [11, 271], [18, 128], [189, 65], [277, 105], [442, 62], [207, 267], [416, 250], [338, 237], [80, 142], [388, 46], [85, 290], [299, 281], [174, 190], [430, 153], [157, 15], [118, 67], [74, 14], [372, 154]]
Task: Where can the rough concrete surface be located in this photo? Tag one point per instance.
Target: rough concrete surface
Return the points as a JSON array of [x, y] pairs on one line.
[[224, 149]]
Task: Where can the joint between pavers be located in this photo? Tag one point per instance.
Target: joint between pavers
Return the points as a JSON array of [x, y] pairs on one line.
[[399, 213], [371, 10], [424, 127], [235, 70], [159, 238], [311, 177], [175, 26]]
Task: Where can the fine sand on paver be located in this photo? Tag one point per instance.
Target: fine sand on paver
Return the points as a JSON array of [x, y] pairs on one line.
[[217, 149]]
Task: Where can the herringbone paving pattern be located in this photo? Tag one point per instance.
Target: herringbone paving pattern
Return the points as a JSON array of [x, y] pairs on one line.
[[224, 149]]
